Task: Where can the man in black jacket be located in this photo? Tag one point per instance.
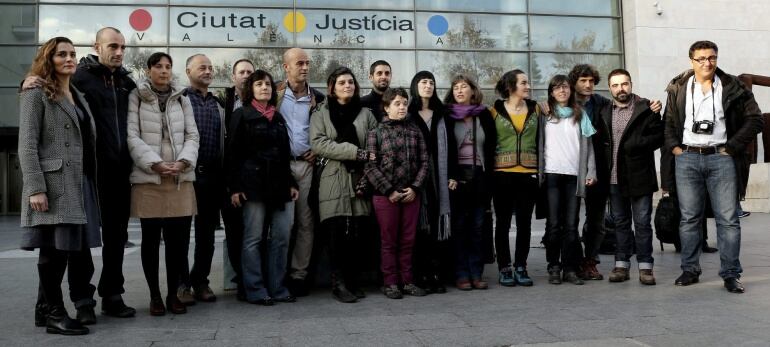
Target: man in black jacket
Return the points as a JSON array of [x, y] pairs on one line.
[[583, 79], [106, 85], [710, 119], [380, 76], [635, 132]]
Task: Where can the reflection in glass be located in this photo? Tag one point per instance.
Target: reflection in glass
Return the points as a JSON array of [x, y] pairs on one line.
[[473, 31], [354, 4], [575, 34], [261, 3], [69, 21], [243, 27], [15, 64], [473, 5], [268, 59], [485, 67], [324, 61], [357, 29], [585, 7], [546, 65], [17, 24], [9, 98], [136, 2]]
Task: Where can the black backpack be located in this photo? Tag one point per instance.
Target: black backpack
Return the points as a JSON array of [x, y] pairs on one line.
[[667, 216]]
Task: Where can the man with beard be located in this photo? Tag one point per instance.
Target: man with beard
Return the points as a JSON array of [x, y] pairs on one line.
[[379, 75], [583, 78], [635, 132]]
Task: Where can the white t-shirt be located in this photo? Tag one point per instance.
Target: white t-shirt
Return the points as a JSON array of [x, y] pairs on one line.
[[562, 147], [707, 107]]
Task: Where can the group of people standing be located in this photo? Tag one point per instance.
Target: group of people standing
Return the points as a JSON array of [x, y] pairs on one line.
[[283, 163]]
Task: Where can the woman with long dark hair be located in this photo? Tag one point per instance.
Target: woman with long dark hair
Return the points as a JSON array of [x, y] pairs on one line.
[[566, 166], [473, 128], [60, 214], [516, 189], [432, 254], [163, 141], [261, 181], [338, 130]]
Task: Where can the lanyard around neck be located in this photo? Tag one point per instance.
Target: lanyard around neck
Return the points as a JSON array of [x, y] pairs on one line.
[[713, 100]]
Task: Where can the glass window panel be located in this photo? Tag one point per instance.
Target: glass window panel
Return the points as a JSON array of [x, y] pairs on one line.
[[546, 65], [465, 31], [351, 4], [485, 67], [324, 61], [584, 7], [9, 98], [15, 64], [357, 29], [268, 59], [473, 5], [243, 27], [261, 3], [575, 34], [147, 26], [133, 2], [17, 24]]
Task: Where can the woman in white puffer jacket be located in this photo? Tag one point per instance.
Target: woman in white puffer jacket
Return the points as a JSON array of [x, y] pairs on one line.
[[163, 140]]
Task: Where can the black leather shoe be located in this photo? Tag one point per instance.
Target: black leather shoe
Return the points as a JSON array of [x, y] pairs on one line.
[[59, 322], [707, 249], [297, 287], [41, 314], [687, 278], [264, 302], [733, 285], [117, 308], [86, 315], [287, 298]]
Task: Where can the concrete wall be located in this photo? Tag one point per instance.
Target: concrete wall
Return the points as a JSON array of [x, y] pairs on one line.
[[656, 48]]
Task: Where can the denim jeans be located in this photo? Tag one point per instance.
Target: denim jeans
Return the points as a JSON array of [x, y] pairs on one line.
[[697, 174], [256, 216], [561, 226], [624, 210]]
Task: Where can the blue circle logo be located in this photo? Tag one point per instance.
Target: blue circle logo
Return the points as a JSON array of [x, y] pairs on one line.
[[438, 25]]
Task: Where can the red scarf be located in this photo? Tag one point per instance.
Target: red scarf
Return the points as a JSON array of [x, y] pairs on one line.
[[266, 110]]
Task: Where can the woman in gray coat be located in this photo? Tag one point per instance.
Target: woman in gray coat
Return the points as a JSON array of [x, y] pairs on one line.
[[59, 209]]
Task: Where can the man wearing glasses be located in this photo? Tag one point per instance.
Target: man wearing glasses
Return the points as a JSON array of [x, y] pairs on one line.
[[710, 118]]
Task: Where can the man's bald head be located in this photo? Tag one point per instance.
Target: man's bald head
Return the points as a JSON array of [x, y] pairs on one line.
[[110, 46], [296, 64]]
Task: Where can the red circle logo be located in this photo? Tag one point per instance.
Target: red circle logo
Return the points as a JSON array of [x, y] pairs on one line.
[[140, 20]]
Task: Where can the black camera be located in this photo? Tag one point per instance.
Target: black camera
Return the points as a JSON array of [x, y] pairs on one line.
[[703, 127]]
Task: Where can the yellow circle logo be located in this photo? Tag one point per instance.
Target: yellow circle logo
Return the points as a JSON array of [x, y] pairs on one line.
[[294, 22]]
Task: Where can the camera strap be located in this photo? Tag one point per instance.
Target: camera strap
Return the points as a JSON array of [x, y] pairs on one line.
[[713, 100]]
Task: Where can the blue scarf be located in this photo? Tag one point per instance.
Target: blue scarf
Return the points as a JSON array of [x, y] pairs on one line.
[[586, 129]]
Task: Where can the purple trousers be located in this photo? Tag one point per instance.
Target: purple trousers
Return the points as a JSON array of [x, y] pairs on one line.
[[398, 226]]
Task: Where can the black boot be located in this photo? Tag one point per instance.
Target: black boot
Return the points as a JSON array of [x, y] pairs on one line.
[[86, 315], [59, 322], [341, 292], [41, 314]]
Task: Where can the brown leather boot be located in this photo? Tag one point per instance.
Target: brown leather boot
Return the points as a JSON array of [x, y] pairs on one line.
[[590, 272], [646, 277], [619, 274]]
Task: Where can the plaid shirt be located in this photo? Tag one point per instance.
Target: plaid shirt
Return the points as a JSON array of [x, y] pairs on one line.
[[402, 156], [620, 118], [206, 111]]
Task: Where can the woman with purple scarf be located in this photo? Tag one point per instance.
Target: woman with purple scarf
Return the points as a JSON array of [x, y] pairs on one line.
[[472, 126]]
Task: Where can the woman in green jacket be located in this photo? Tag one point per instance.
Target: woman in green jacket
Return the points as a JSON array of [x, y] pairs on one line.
[[338, 130]]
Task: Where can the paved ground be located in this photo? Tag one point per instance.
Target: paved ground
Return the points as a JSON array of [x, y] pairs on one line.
[[596, 314]]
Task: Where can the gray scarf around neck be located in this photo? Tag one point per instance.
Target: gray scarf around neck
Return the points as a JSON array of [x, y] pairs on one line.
[[444, 227]]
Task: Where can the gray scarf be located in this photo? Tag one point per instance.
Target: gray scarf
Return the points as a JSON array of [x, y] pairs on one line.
[[444, 227]]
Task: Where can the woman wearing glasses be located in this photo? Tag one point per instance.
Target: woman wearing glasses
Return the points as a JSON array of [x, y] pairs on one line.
[[566, 166]]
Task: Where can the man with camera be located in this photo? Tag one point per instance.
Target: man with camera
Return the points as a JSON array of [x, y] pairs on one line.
[[710, 119]]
